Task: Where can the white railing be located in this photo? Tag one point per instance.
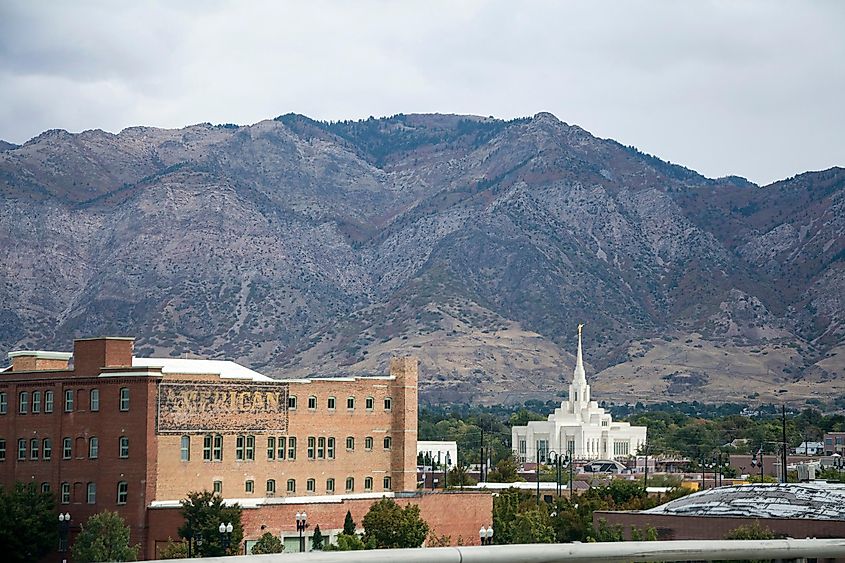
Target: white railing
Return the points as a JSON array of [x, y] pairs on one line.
[[679, 550]]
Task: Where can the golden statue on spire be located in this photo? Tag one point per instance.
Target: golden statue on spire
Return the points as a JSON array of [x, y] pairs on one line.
[[580, 326]]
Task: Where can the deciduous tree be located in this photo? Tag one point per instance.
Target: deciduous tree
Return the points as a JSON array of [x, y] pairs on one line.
[[204, 512], [386, 525], [104, 537], [28, 525]]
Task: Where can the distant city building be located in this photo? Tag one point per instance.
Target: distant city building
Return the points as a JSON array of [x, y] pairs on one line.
[[810, 448], [437, 452], [834, 443], [579, 426]]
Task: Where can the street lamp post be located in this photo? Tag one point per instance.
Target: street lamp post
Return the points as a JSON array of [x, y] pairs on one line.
[[446, 470], [64, 529], [301, 525], [537, 474], [225, 535], [486, 535], [569, 457]]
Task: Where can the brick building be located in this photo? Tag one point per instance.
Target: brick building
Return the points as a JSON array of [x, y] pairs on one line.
[[105, 430]]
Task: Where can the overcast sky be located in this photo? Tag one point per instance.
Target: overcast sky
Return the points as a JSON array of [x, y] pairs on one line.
[[751, 88]]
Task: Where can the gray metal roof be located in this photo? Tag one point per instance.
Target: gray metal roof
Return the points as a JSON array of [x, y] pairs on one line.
[[816, 500]]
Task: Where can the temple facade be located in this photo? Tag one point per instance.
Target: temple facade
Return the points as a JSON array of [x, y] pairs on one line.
[[579, 426]]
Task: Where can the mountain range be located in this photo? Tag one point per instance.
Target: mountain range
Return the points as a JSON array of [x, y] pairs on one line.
[[299, 247]]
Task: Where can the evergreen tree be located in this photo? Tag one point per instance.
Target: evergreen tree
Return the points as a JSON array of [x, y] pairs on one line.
[[349, 524], [317, 539]]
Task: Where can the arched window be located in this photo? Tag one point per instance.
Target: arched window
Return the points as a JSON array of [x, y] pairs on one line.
[[93, 447], [350, 484], [271, 486], [122, 492], [291, 485], [368, 483], [95, 400]]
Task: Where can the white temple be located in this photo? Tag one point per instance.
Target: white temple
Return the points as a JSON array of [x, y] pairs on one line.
[[579, 426]]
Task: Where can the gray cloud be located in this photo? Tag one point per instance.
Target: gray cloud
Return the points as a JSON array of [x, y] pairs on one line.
[[751, 88]]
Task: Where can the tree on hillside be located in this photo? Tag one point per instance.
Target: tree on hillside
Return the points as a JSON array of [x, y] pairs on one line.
[[386, 525], [204, 512], [267, 543], [28, 526], [104, 537]]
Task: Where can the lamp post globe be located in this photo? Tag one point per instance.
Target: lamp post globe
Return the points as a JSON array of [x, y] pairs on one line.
[[490, 535]]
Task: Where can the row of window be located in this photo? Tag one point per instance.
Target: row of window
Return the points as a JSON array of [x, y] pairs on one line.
[[331, 403], [310, 485], [31, 402], [278, 448], [43, 449], [90, 492]]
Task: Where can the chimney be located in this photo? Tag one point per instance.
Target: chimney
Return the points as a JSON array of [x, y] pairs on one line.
[[91, 355], [39, 360]]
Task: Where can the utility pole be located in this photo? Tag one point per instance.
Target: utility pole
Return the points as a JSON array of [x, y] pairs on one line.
[[481, 465], [783, 453]]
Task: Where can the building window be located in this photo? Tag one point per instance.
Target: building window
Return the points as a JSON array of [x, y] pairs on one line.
[[292, 448], [311, 486], [36, 402], [312, 403], [311, 443], [217, 487], [330, 485], [330, 448], [2, 450], [271, 486], [368, 443], [21, 449], [368, 483], [95, 400], [185, 448], [206, 447], [543, 449], [321, 448], [45, 487], [369, 402], [249, 452], [388, 442], [292, 402], [68, 400], [249, 486], [271, 447], [245, 448], [65, 496], [620, 448], [48, 402], [330, 403], [388, 403], [386, 483], [124, 398], [93, 447], [522, 449], [34, 449], [217, 452], [122, 492], [4, 403], [23, 402], [67, 448], [570, 446], [350, 403], [47, 449], [239, 448], [91, 494], [350, 443], [350, 484], [282, 446], [291, 485], [123, 447]]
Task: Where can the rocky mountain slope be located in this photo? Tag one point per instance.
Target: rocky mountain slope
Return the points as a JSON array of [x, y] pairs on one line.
[[301, 247]]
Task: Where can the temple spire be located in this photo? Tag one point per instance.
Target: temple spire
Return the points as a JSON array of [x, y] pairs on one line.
[[579, 365]]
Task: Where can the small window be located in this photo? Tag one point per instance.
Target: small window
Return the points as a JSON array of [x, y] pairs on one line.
[[2, 450], [93, 447], [185, 448], [321, 448], [330, 448], [123, 447], [239, 448], [292, 402], [271, 448], [218, 447], [249, 486], [4, 403], [291, 485], [330, 403], [368, 483], [45, 487], [271, 486], [36, 402], [368, 443], [388, 403], [312, 403], [34, 449], [350, 484], [292, 448], [21, 449], [91, 493], [350, 443], [350, 403], [330, 485], [386, 482], [206, 447], [68, 400], [388, 442], [67, 448], [122, 492], [65, 496], [23, 402], [47, 449], [249, 450], [124, 398], [95, 400], [311, 445], [311, 486], [48, 402], [281, 447], [218, 487], [369, 402]]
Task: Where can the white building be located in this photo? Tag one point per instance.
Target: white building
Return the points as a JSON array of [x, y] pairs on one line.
[[439, 452], [578, 426]]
